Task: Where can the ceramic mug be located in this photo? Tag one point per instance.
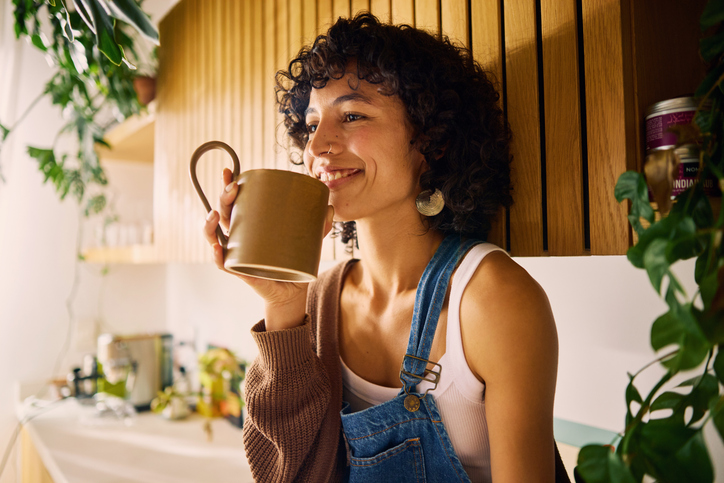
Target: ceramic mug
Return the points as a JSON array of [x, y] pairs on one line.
[[277, 221]]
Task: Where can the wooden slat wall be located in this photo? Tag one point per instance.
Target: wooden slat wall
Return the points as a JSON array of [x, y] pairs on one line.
[[571, 104], [562, 123], [607, 101], [523, 110]]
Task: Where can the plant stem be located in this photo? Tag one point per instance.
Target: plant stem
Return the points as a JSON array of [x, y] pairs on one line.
[[665, 356], [27, 111]]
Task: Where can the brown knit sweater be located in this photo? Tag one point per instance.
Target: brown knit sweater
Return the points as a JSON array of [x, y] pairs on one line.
[[294, 394]]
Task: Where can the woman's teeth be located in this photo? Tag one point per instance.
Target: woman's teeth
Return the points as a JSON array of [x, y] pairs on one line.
[[334, 175]]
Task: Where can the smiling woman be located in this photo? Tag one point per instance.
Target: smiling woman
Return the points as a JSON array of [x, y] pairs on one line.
[[348, 384]]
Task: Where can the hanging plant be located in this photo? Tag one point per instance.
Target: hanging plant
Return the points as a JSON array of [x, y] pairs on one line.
[[663, 435], [94, 54]]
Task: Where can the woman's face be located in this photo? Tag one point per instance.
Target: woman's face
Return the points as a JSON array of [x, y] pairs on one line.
[[359, 146]]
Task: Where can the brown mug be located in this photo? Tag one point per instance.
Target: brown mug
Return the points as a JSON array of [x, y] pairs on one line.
[[277, 221]]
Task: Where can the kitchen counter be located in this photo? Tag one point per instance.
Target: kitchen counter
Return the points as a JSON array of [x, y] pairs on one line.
[[75, 446]]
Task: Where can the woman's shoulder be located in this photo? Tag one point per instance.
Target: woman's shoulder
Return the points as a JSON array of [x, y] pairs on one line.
[[503, 311]]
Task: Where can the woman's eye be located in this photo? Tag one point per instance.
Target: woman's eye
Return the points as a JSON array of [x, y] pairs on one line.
[[349, 117], [311, 128]]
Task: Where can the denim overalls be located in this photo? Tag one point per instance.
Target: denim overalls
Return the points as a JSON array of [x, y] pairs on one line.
[[404, 439]]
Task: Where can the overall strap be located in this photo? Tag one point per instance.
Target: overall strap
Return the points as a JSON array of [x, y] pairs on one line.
[[429, 301]]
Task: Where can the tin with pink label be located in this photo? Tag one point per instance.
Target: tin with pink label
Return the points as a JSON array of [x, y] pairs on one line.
[[660, 117]]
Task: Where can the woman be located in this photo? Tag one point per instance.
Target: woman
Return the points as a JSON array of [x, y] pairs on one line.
[[400, 125]]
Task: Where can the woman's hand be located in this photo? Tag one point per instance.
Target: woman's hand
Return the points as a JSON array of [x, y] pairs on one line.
[[285, 302]]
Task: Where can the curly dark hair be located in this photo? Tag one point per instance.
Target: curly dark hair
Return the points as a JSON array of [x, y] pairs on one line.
[[451, 104]]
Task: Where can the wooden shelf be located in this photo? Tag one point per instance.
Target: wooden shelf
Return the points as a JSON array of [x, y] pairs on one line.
[[132, 140], [133, 254]]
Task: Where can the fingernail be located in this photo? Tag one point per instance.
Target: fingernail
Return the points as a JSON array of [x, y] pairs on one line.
[[210, 215], [230, 187]]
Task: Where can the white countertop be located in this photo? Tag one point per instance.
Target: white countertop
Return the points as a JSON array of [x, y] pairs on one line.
[[78, 447]]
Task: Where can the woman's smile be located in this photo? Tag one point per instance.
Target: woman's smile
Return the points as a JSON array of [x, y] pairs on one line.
[[334, 178]]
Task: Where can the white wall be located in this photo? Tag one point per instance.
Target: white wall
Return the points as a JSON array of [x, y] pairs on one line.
[[38, 251]]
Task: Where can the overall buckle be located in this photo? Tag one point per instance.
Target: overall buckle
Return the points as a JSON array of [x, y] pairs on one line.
[[430, 375]]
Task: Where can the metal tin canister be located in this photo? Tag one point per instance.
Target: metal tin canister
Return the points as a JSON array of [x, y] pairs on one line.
[[688, 169], [689, 172], [662, 115]]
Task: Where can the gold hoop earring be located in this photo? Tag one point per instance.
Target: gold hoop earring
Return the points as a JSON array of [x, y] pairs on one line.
[[429, 202]]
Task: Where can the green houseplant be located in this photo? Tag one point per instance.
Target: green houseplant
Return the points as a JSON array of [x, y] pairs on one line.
[[93, 52], [663, 434]]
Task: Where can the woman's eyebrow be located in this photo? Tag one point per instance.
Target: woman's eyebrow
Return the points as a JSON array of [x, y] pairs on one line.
[[352, 96]]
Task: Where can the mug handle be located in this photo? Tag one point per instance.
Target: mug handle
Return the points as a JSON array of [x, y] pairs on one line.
[[223, 239]]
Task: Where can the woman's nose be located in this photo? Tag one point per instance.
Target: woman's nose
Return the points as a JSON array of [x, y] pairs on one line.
[[320, 142]]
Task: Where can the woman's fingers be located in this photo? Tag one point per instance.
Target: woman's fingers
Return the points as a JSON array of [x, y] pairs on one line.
[[227, 197], [212, 221]]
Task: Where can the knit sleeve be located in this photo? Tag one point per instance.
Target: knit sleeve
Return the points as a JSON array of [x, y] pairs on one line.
[[287, 394]]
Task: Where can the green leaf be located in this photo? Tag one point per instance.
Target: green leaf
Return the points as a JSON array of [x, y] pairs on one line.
[[679, 327], [65, 21], [661, 229], [632, 395], [711, 79], [632, 186], [704, 391], [129, 12], [684, 242], [717, 415], [598, 464], [656, 263], [667, 400], [676, 452], [718, 365], [95, 205], [52, 2], [708, 287], [711, 47], [84, 14], [5, 132], [104, 31], [712, 15], [37, 41]]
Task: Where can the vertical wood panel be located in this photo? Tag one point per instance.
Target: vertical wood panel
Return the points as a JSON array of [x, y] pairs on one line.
[[309, 21], [267, 92], [340, 8], [216, 79], [246, 150], [189, 103], [427, 15], [606, 102], [280, 61], [381, 9], [403, 12], [564, 183], [256, 86], [235, 61], [526, 219], [296, 27], [454, 15], [160, 153], [325, 12], [486, 44], [359, 6], [295, 44]]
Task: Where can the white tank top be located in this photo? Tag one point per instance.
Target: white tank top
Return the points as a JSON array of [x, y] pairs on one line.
[[459, 395]]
